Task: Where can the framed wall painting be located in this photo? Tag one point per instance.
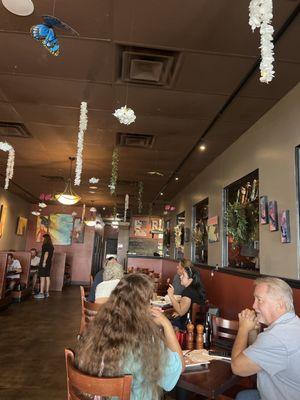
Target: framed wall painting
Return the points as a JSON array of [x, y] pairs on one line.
[[78, 231], [273, 216], [284, 219], [42, 227], [61, 226], [263, 210], [213, 229], [21, 226]]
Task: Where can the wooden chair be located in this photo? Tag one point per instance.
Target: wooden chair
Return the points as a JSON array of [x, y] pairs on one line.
[[88, 311], [79, 383], [224, 332]]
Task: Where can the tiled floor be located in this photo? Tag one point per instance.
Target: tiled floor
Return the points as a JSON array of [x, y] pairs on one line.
[[33, 335]]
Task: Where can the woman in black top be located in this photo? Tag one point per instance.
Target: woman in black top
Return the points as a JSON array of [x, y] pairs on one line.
[[45, 266], [193, 293]]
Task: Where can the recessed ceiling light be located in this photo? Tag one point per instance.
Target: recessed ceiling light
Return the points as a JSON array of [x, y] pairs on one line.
[[93, 187], [103, 208], [202, 147], [92, 192], [161, 193], [22, 8], [176, 178]]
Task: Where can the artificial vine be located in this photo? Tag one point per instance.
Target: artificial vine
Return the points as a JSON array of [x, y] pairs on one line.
[[200, 233], [237, 223], [114, 171], [140, 197]]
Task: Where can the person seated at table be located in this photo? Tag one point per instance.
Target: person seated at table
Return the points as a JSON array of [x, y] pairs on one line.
[[112, 274], [34, 263], [13, 272], [178, 287], [193, 293], [127, 336], [97, 279], [275, 354]]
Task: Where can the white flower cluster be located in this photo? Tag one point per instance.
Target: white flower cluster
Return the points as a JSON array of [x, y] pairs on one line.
[[4, 146], [126, 206], [140, 197], [93, 180], [125, 115], [260, 16], [42, 205], [82, 129]]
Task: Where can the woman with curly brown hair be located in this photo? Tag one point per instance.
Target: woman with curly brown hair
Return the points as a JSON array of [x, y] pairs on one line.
[[129, 337]]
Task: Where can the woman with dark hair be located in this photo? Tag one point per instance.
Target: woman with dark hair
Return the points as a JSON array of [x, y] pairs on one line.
[[129, 337], [44, 267], [193, 293]]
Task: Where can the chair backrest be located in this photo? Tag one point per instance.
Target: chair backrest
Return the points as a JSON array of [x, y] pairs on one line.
[[78, 383], [224, 329], [88, 311]]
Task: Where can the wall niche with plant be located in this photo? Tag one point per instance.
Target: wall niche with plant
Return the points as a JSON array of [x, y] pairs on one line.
[[242, 222], [200, 236]]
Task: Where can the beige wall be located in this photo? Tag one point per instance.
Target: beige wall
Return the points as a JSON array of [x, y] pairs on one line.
[[13, 207], [268, 145]]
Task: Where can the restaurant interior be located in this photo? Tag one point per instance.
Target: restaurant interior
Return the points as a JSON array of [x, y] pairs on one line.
[[152, 132]]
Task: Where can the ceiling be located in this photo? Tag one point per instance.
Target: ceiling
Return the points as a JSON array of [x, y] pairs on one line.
[[202, 82]]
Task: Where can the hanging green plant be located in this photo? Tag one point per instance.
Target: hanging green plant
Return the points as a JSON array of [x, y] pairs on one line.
[[140, 197], [199, 233], [178, 233], [114, 171], [237, 224]]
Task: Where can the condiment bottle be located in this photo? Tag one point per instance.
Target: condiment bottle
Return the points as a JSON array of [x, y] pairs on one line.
[[199, 337], [190, 336]]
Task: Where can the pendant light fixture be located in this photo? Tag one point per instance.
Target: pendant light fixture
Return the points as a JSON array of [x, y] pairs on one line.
[[68, 197], [92, 220]]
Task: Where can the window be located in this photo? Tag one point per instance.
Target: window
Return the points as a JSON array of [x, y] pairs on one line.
[[200, 237], [241, 222], [179, 236]]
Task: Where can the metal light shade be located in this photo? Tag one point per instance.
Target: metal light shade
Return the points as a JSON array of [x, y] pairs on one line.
[[90, 223], [68, 197], [19, 7]]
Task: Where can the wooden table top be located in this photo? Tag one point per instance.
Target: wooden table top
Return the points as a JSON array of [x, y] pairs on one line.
[[209, 381]]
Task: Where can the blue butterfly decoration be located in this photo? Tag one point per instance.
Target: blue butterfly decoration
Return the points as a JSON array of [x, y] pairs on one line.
[[45, 33]]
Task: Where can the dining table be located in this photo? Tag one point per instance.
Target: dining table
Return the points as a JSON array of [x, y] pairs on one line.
[[209, 381]]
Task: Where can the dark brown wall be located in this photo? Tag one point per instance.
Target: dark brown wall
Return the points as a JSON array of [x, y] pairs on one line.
[[233, 293]]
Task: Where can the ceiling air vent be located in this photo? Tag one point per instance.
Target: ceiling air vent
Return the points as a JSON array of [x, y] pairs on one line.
[[13, 129], [143, 141], [147, 66]]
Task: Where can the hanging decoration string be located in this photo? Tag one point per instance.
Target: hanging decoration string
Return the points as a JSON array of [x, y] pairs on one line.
[[140, 197], [82, 128], [124, 114], [126, 206], [114, 171], [4, 146], [260, 16]]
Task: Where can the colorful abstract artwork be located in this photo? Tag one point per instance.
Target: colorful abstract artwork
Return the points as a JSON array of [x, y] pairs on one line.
[[263, 208], [213, 229], [284, 218], [42, 227], [21, 226], [78, 231], [273, 216], [61, 227]]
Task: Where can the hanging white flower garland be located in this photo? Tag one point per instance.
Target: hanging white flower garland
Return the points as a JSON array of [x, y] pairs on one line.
[[93, 180], [260, 16], [82, 128], [126, 206], [4, 146], [125, 115]]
